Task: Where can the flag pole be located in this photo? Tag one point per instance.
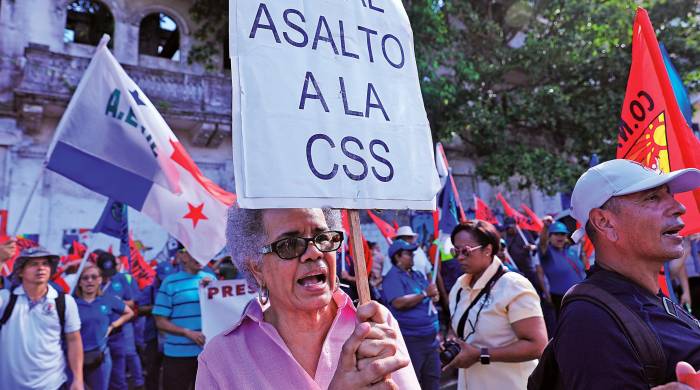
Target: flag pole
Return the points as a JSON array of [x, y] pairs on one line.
[[436, 269], [29, 200], [342, 255], [359, 261], [81, 266], [462, 215]]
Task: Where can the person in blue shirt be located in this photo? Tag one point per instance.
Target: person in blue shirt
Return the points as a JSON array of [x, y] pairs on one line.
[[176, 312], [100, 315], [122, 342], [560, 261], [152, 357], [133, 360], [408, 295]]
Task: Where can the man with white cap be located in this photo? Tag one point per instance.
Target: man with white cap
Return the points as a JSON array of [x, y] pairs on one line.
[[420, 259], [633, 221]]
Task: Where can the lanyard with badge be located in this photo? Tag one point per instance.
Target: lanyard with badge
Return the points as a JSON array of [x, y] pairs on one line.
[[486, 293]]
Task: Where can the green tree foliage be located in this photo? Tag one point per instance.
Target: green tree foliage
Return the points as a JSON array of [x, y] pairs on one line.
[[532, 88], [211, 16]]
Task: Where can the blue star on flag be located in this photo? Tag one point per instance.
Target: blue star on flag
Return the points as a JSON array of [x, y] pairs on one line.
[[135, 95]]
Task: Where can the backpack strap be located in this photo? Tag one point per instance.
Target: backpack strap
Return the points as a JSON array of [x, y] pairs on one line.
[[646, 345], [61, 311], [8, 309]]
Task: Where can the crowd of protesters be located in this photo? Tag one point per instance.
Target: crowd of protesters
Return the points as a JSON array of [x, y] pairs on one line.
[[500, 293], [109, 333]]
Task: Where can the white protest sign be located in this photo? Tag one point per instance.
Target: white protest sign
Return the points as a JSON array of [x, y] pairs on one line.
[[327, 107], [222, 303]]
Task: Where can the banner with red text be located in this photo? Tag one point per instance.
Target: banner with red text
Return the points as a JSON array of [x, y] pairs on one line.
[[222, 303]]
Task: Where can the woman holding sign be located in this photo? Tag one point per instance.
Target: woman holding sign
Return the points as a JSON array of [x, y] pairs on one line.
[[495, 314], [302, 332]]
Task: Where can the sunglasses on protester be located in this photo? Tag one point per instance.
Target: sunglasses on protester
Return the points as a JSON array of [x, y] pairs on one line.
[[292, 247], [466, 251], [90, 277]]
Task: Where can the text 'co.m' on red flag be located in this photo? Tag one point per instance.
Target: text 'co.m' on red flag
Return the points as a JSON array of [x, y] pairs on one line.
[[652, 129]]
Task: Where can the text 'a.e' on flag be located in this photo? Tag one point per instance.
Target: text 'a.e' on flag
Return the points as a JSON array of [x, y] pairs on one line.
[[653, 130], [112, 140]]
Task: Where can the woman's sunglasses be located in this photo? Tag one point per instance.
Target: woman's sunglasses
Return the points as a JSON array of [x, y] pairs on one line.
[[292, 247], [466, 251]]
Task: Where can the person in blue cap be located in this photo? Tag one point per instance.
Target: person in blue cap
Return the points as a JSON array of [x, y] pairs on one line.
[[408, 294], [121, 343], [560, 260], [100, 315]]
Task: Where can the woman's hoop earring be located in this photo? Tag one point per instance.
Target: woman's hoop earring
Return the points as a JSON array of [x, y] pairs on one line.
[[263, 295]]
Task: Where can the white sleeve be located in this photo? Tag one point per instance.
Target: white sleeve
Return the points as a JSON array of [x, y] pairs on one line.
[[72, 316]]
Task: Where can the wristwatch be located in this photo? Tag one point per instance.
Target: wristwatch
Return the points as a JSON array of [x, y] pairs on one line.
[[485, 356]]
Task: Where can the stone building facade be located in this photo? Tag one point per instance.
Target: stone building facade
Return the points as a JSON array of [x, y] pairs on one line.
[[45, 45]]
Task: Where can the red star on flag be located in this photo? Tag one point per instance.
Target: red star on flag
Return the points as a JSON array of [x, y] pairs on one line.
[[195, 214]]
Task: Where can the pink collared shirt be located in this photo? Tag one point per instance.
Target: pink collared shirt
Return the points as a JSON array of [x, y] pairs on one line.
[[252, 355]]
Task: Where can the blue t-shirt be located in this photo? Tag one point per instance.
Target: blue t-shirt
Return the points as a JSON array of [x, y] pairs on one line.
[[450, 270], [147, 297], [418, 320], [178, 300], [120, 286], [562, 267], [95, 318], [592, 351]]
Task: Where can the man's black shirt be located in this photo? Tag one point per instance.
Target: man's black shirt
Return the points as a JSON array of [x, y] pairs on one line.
[[593, 352]]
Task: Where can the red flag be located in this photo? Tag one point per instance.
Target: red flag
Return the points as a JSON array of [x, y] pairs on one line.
[[140, 269], [652, 128], [483, 212], [535, 221], [388, 231], [522, 221], [58, 279], [22, 244], [3, 225]]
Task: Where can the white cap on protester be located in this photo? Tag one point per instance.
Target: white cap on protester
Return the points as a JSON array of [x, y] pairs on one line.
[[405, 231], [623, 177]]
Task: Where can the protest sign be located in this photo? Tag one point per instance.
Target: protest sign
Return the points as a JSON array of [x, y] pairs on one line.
[[327, 108], [222, 302]]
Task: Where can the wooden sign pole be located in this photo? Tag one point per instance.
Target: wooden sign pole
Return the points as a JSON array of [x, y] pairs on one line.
[[359, 261]]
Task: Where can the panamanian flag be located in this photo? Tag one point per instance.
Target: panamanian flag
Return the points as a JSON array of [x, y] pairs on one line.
[[112, 140]]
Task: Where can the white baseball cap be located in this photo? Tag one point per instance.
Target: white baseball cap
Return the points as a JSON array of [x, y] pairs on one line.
[[623, 177]]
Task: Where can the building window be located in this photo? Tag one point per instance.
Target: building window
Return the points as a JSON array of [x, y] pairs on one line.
[[159, 37], [87, 21]]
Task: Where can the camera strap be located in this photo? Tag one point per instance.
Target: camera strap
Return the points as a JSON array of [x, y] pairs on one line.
[[485, 291]]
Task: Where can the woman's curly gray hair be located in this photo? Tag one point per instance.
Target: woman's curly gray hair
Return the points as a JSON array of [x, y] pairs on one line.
[[245, 235]]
